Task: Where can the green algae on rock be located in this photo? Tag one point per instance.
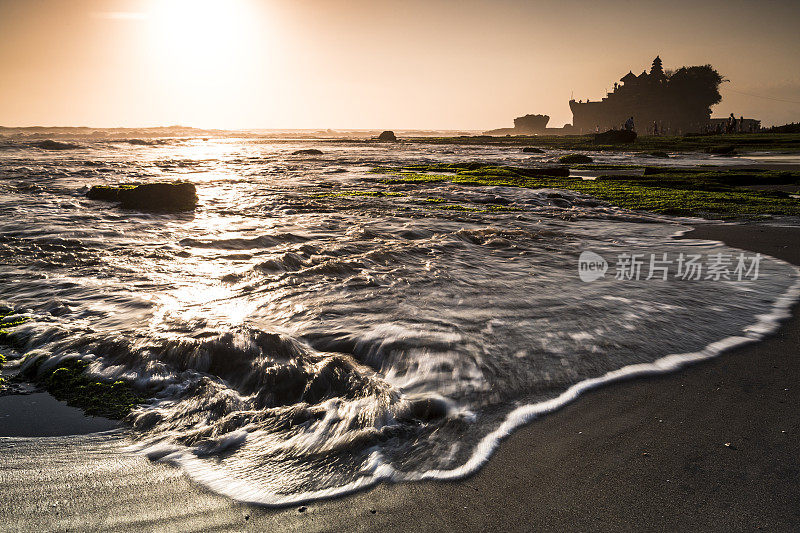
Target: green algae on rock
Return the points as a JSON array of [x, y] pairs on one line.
[[163, 196], [683, 192], [68, 382], [574, 158]]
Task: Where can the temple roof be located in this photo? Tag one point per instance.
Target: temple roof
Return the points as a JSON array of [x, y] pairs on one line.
[[628, 77]]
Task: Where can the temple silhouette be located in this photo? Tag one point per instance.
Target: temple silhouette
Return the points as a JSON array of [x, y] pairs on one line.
[[660, 102]]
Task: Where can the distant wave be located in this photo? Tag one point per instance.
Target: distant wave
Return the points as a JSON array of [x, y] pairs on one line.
[[142, 142], [50, 144]]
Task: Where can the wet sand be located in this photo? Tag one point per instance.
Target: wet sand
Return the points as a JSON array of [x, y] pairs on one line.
[[711, 447]]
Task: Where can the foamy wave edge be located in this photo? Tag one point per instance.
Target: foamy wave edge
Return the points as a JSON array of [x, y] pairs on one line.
[[246, 492]]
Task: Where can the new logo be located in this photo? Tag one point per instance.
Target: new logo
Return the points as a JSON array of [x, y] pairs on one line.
[[591, 266]]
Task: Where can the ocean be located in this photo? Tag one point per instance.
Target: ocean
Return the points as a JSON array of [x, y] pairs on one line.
[[310, 330]]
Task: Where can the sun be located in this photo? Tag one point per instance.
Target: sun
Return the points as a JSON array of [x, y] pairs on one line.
[[201, 30], [201, 52]]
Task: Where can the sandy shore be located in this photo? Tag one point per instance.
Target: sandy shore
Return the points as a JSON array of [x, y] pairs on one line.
[[711, 447]]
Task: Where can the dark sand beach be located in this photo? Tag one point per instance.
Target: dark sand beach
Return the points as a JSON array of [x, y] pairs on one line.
[[711, 447]]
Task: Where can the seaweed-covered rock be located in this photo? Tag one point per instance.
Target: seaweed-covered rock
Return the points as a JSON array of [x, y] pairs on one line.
[[574, 158], [174, 196], [615, 137], [721, 150], [558, 172], [108, 193], [69, 382], [387, 136], [308, 151]]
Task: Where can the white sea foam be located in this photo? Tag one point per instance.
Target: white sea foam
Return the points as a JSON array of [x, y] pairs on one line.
[[378, 470]]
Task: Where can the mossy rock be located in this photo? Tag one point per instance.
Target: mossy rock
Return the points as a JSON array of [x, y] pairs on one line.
[[108, 193], [721, 150], [68, 382], [615, 137], [570, 159], [711, 193], [164, 196], [5, 335]]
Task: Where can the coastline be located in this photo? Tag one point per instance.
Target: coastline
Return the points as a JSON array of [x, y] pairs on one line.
[[658, 459]]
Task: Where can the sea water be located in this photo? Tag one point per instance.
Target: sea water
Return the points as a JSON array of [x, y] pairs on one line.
[[310, 330]]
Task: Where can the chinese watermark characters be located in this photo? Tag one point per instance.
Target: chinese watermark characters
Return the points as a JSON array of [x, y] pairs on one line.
[[664, 266]]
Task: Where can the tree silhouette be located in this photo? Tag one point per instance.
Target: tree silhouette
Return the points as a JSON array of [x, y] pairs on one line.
[[691, 91]]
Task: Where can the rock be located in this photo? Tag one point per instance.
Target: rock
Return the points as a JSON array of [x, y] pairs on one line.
[[387, 136], [560, 202], [531, 124], [615, 137], [145, 142], [721, 150], [658, 154], [174, 196], [496, 200], [428, 409], [533, 150], [575, 158], [308, 151], [558, 172], [106, 193]]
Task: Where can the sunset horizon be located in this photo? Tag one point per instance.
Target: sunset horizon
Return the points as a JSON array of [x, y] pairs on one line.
[[388, 266], [273, 64]]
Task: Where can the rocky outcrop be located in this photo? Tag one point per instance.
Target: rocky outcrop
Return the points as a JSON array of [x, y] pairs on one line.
[[532, 150], [525, 125], [387, 136], [574, 159], [308, 151], [615, 137], [170, 196], [531, 124]]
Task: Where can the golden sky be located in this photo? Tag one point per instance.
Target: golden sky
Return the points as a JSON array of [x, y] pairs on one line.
[[427, 64]]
